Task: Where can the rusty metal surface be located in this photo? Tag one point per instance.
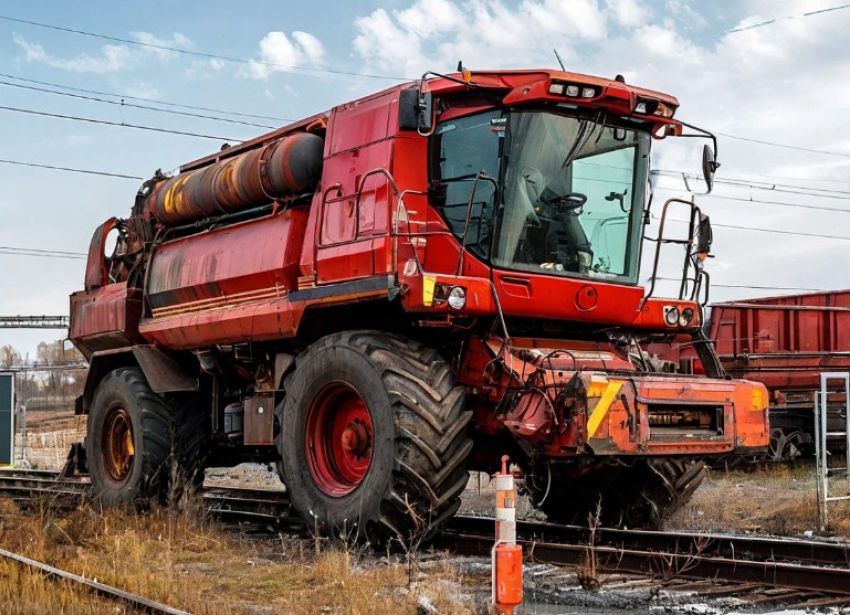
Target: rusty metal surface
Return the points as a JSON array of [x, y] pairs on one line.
[[806, 565], [259, 420], [105, 318], [288, 166], [139, 602], [95, 269], [163, 373]]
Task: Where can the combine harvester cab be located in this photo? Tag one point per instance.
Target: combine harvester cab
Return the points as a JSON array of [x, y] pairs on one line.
[[385, 296]]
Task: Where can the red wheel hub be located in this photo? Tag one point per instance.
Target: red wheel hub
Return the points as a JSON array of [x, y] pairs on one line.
[[338, 439]]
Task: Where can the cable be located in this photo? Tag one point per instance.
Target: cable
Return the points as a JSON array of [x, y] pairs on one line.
[[762, 230], [150, 100], [119, 124], [13, 251], [768, 186], [794, 147], [86, 171], [200, 54], [672, 279], [134, 106], [773, 21]]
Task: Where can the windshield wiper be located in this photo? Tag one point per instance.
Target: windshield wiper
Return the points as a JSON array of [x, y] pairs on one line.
[[583, 135]]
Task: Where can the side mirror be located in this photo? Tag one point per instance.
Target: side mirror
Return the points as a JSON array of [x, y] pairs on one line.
[[414, 110], [425, 104], [709, 166]]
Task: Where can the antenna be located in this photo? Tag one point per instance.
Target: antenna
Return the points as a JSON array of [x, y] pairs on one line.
[[559, 60]]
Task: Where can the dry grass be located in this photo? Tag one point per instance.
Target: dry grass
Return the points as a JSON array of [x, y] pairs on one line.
[[195, 565], [775, 499]]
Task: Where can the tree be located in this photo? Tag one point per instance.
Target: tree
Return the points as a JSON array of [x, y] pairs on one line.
[[9, 356]]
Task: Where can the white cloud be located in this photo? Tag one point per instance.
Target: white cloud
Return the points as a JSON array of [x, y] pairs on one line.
[[280, 54], [780, 83], [112, 58], [436, 34], [628, 13], [177, 40]]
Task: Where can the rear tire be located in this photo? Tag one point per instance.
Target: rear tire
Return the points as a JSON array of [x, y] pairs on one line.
[[141, 446], [390, 461], [128, 439]]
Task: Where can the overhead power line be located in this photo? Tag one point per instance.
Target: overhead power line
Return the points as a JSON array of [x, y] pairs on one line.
[[755, 287], [200, 54], [767, 186], [123, 104], [55, 168], [16, 251], [789, 17], [118, 124], [785, 146], [164, 103], [756, 229]]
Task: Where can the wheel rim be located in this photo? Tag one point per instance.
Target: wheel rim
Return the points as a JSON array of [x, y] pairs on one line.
[[118, 451], [339, 439]]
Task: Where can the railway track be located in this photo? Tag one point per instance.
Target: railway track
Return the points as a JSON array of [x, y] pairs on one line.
[[810, 572]]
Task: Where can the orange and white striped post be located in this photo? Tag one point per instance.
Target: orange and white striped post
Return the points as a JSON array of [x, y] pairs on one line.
[[507, 555]]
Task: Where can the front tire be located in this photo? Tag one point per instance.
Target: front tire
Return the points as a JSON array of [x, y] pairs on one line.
[[642, 495], [374, 437]]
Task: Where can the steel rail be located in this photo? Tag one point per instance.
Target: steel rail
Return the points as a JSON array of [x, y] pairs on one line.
[[736, 546], [697, 561], [139, 602], [793, 563]]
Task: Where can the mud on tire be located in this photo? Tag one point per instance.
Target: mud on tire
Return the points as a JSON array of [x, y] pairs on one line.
[[418, 440]]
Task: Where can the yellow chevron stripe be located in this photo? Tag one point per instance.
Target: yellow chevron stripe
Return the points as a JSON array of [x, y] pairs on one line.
[[602, 406]]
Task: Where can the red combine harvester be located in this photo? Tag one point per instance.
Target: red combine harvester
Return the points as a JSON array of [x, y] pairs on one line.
[[384, 296]]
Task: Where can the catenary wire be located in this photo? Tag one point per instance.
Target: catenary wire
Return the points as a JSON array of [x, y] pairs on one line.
[[70, 169], [754, 287], [201, 54], [134, 105], [783, 145], [755, 229], [143, 99], [118, 124]]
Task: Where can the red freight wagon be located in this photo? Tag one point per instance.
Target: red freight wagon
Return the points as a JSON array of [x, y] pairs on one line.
[[785, 343]]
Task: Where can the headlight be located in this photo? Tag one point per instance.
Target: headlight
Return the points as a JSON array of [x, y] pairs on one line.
[[671, 315], [686, 317], [457, 298]]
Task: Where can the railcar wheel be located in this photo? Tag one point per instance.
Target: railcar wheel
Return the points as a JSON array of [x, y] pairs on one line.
[[786, 444], [374, 437]]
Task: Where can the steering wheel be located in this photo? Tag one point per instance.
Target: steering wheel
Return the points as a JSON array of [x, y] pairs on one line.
[[569, 201]]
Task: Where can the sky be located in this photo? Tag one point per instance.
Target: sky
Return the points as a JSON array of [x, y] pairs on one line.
[[749, 70]]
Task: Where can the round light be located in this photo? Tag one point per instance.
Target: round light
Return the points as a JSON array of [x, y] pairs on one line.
[[671, 315], [686, 317], [457, 298]]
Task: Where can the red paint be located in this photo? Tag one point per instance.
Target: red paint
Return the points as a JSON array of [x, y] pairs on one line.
[[338, 439]]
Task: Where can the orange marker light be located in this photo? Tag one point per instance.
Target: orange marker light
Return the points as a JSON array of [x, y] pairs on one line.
[[507, 555]]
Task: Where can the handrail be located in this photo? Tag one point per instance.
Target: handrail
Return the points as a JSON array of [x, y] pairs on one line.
[[688, 253], [478, 176]]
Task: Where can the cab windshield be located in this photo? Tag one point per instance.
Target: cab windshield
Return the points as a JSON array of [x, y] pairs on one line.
[[567, 198]]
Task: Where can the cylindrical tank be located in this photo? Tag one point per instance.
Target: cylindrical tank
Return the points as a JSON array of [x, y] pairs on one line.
[[287, 166]]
